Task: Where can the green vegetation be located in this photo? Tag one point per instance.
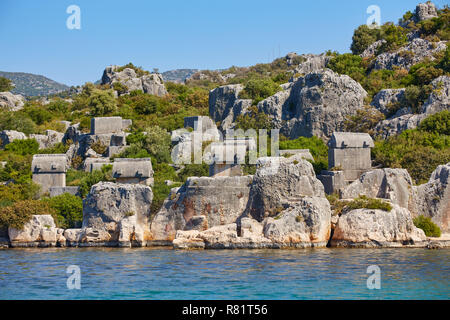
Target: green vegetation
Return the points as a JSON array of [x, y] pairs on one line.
[[259, 89], [419, 151], [139, 71], [362, 202], [68, 210], [316, 146], [85, 180], [5, 84], [23, 147], [363, 37], [364, 120], [253, 119], [428, 226], [19, 213]]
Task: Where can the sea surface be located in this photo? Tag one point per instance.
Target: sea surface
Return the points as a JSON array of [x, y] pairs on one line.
[[149, 273]]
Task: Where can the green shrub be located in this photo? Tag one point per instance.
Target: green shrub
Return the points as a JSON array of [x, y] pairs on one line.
[[363, 202], [102, 102], [18, 214], [259, 89], [193, 170], [253, 119], [23, 147], [139, 71], [16, 121], [5, 84], [428, 226], [120, 88], [349, 64], [157, 143], [85, 180], [363, 37], [68, 210], [438, 123]]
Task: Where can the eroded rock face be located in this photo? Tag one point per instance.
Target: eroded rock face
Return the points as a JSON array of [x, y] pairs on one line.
[[49, 139], [433, 198], [40, 231], [386, 98], [220, 200], [11, 102], [439, 100], [279, 182], [306, 223], [8, 136], [225, 105], [414, 52], [425, 11], [312, 63], [150, 83], [393, 184], [317, 104], [117, 212], [374, 228]]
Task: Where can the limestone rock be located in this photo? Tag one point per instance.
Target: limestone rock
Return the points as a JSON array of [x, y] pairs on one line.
[[107, 204], [8, 136], [372, 228], [392, 184], [149, 83], [425, 11], [221, 200], [49, 139], [306, 223], [386, 98], [279, 182], [312, 63], [414, 52], [433, 198], [372, 49], [39, 231], [11, 102]]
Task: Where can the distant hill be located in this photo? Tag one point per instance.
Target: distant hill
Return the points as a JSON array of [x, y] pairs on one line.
[[178, 75], [29, 84]]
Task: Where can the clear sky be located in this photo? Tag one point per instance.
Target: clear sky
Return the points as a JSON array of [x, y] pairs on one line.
[[172, 34]]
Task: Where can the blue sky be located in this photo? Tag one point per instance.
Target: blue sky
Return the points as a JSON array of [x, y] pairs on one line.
[[173, 34]]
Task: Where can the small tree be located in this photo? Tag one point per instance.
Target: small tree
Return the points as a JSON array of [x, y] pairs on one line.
[[5, 84], [102, 102]]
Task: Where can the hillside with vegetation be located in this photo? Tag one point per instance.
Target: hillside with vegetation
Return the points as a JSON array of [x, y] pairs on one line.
[[420, 150], [29, 85]]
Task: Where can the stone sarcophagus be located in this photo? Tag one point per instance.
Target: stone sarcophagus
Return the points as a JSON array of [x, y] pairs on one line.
[[133, 171], [102, 125], [350, 152], [49, 170]]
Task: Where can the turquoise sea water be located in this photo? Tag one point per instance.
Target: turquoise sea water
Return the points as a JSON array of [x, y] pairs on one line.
[[241, 274]]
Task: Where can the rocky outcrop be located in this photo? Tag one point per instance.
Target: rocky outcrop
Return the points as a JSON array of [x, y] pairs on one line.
[[11, 102], [225, 105], [149, 83], [201, 203], [279, 182], [394, 185], [307, 223], [8, 136], [386, 99], [433, 198], [438, 101], [312, 63], [317, 104], [425, 11], [377, 228], [417, 50], [117, 213], [372, 49], [49, 139], [40, 231]]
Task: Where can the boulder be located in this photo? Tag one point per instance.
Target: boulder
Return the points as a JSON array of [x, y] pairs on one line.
[[107, 204], [372, 49], [312, 63], [425, 11], [304, 224], [149, 83], [279, 182], [317, 104], [39, 231], [433, 198], [8, 136], [201, 203], [386, 98], [394, 185], [49, 139], [11, 102], [415, 51], [376, 228]]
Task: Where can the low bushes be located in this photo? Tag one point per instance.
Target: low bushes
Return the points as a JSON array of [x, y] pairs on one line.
[[18, 214], [68, 210], [428, 226]]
